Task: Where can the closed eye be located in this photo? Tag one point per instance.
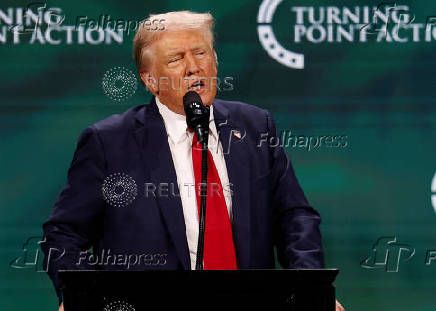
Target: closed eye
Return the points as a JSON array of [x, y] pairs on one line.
[[174, 60]]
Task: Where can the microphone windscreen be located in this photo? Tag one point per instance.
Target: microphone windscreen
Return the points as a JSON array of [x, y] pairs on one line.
[[197, 114], [191, 98]]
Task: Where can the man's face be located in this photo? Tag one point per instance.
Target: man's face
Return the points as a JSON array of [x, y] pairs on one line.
[[182, 61]]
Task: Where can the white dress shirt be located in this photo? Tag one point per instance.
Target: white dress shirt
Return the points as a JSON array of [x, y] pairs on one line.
[[180, 143]]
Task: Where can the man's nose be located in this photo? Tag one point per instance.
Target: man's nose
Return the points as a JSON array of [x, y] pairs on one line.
[[192, 67]]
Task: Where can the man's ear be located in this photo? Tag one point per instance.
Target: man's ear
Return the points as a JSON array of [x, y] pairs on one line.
[[150, 82]]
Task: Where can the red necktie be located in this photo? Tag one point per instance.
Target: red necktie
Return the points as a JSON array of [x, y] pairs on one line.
[[219, 250]]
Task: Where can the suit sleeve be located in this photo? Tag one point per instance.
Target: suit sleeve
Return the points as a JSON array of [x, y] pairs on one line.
[[296, 224], [76, 219]]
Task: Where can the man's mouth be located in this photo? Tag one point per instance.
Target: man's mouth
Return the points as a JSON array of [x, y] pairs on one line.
[[197, 85]]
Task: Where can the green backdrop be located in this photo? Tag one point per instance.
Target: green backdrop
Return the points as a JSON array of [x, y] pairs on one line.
[[378, 94]]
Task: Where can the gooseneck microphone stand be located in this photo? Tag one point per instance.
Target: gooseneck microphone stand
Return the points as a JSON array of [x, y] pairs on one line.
[[197, 119], [203, 195]]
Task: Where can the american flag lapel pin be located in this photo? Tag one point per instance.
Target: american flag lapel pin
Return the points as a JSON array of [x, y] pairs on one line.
[[237, 134]]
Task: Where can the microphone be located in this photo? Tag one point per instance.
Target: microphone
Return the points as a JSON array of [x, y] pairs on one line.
[[197, 115]]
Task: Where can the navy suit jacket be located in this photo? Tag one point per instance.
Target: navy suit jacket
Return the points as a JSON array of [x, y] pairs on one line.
[[269, 207]]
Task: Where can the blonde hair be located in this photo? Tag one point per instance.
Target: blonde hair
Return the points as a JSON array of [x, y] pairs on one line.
[[178, 20]]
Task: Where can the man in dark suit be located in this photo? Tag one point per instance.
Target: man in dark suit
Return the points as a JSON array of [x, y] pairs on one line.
[[125, 195]]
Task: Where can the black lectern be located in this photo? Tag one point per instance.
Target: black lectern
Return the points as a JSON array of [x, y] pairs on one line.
[[291, 290]]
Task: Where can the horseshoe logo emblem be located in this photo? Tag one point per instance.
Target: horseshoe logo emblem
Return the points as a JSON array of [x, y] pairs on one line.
[[268, 40]]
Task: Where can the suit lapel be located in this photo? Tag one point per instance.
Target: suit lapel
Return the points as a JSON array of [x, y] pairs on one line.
[[238, 171], [152, 138]]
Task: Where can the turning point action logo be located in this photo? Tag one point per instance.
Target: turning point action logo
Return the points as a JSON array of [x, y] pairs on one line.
[[387, 23]]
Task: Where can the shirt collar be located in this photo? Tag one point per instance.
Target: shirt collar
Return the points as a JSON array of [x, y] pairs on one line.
[[175, 123]]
